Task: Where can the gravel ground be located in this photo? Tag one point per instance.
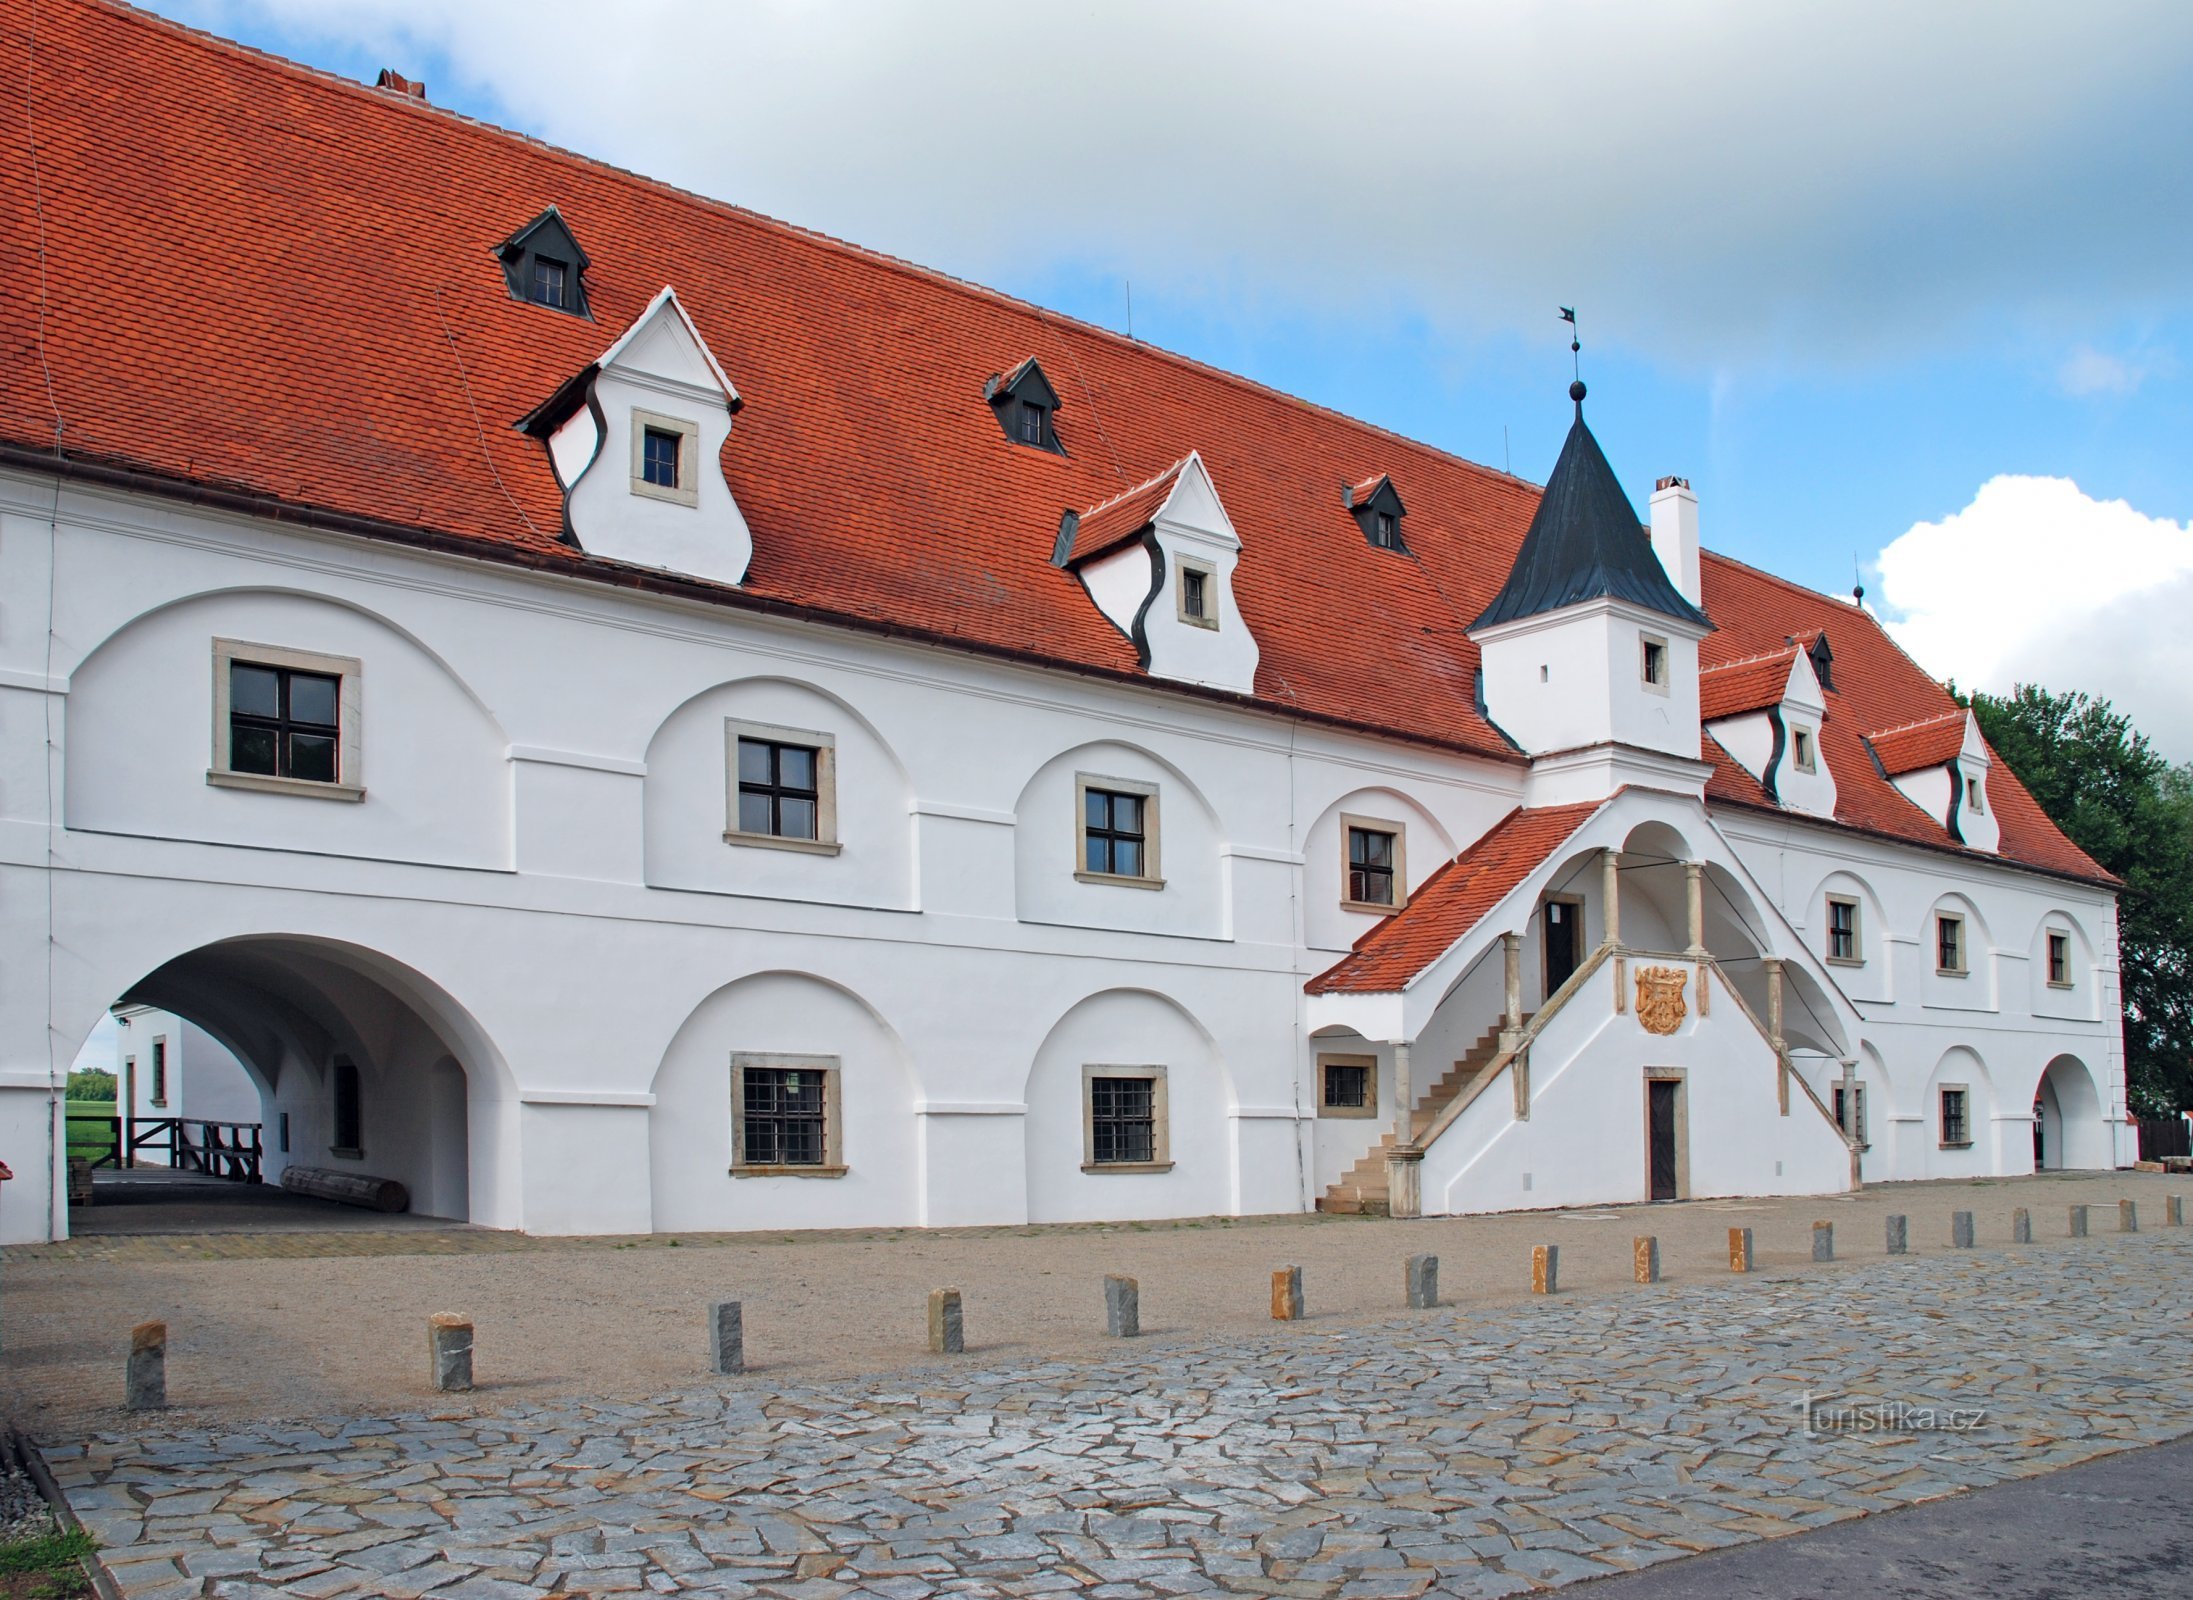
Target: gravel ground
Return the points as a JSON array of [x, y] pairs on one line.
[[334, 1334]]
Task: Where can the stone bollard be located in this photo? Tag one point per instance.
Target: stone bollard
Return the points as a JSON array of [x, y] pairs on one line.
[[1645, 1254], [2128, 1216], [1545, 1269], [1287, 1294], [148, 1366], [1960, 1230], [2078, 1222], [1739, 1249], [2021, 1226], [947, 1327], [1420, 1282], [449, 1352], [2174, 1210], [1122, 1307], [1823, 1241], [1899, 1235], [727, 1337]]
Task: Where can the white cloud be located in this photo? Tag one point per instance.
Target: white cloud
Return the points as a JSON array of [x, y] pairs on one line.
[[2035, 582], [2088, 371], [1704, 178]]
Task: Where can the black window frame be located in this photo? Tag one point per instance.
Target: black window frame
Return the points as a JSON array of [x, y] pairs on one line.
[[650, 436], [1855, 1120], [1362, 872], [1358, 1072], [1949, 940], [160, 1072], [1112, 837], [1955, 1130], [1195, 593], [1842, 941], [1123, 1119], [2059, 944], [1386, 530], [776, 791], [775, 1128], [1653, 662], [284, 727], [537, 266]]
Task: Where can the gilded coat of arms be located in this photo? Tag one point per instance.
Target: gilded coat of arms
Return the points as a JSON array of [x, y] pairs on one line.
[[1660, 1005]]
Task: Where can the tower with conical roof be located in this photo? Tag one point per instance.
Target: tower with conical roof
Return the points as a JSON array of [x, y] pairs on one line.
[[1589, 650]]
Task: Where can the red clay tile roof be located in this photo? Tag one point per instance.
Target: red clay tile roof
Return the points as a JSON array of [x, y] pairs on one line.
[[1934, 742], [1741, 686], [1123, 516], [1876, 686], [1452, 901], [1361, 492], [287, 297]]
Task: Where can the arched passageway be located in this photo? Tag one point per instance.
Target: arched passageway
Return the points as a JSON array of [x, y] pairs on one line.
[[2068, 1128], [361, 1064]]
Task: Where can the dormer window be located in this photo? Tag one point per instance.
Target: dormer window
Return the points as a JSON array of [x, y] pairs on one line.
[[1026, 406], [1655, 664], [544, 265], [1377, 508], [1976, 797], [546, 285], [659, 457], [1802, 748], [1198, 593], [663, 467]]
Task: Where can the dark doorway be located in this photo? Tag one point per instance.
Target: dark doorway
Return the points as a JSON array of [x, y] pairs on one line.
[[1660, 1111], [1564, 942], [2040, 1152]]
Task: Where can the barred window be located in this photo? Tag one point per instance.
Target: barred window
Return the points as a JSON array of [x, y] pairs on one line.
[[784, 1124], [1123, 1120], [1347, 1085], [1956, 1123]]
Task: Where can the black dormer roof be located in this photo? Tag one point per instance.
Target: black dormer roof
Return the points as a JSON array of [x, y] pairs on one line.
[[1026, 406], [547, 238], [1585, 543], [1368, 501]]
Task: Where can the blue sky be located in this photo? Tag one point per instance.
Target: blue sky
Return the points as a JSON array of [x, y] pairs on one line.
[[1844, 266]]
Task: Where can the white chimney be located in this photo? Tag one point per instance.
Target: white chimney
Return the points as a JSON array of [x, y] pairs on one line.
[[1675, 534]]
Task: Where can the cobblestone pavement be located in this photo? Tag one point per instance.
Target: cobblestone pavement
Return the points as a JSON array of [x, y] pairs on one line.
[[1482, 1452]]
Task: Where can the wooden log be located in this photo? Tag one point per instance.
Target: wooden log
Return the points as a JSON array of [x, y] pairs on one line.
[[350, 1188]]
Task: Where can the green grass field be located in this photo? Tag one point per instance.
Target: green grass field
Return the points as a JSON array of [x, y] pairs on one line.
[[89, 1139]]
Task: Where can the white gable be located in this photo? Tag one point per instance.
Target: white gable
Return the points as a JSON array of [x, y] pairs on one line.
[[658, 375]]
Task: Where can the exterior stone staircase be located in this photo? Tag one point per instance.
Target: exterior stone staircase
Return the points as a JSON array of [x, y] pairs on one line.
[[1361, 1191]]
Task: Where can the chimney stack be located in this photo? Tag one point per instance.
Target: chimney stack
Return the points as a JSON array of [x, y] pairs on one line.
[[396, 83], [1675, 534]]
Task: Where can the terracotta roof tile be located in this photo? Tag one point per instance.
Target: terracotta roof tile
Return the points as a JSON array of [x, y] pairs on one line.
[[1934, 742], [289, 293], [1749, 685], [1452, 901], [1115, 521]]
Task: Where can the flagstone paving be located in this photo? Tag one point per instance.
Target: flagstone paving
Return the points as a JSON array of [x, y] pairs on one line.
[[1450, 1453]]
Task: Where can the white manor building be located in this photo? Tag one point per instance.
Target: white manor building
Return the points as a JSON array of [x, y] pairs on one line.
[[623, 714]]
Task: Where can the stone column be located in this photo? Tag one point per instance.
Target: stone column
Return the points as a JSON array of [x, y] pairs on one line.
[[1694, 888], [1511, 953], [1610, 891], [1773, 966], [1404, 1097], [1404, 1182], [449, 1352]]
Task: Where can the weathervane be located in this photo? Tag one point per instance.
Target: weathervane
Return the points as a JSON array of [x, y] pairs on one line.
[[1576, 360]]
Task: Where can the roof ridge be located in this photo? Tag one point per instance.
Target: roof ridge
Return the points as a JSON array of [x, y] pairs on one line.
[[1751, 660], [1151, 482], [814, 236], [1922, 722]]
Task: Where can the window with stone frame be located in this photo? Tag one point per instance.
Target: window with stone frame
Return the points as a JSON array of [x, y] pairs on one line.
[[286, 721], [1850, 1110], [1116, 832], [1124, 1116], [783, 787], [786, 1116], [1347, 1086], [2059, 960], [1842, 931], [1956, 1117], [1949, 945]]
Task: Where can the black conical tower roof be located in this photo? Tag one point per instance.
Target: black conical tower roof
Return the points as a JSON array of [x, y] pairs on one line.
[[1585, 543]]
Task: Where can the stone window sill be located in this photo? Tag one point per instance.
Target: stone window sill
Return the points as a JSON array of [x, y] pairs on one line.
[[1953, 972], [346, 1154], [1844, 961], [1961, 1144], [1347, 1111], [264, 783], [789, 1172], [1126, 1166], [1373, 907], [2053, 984], [771, 841], [1118, 882]]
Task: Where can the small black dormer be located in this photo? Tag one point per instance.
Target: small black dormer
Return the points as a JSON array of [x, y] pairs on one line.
[[1026, 406], [1376, 506], [544, 264], [1823, 660]]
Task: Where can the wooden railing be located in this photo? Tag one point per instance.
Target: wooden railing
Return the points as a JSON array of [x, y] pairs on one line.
[[191, 1144]]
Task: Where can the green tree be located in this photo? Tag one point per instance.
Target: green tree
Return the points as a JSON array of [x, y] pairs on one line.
[[2117, 798], [91, 1084]]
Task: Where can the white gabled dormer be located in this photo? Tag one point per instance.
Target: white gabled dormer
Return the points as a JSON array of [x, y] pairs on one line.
[[1589, 651], [637, 443], [1768, 713], [1159, 562], [1941, 764]]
